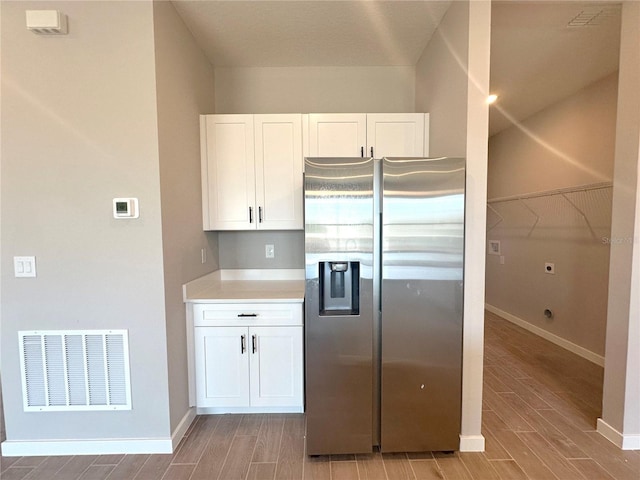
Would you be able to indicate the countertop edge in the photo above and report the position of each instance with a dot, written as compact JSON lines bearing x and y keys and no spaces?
{"x":245,"y":300}
{"x":218,"y":287}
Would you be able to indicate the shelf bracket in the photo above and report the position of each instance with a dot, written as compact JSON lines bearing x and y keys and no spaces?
{"x":584,"y":217}
{"x":500,"y":217}
{"x":524,"y":204}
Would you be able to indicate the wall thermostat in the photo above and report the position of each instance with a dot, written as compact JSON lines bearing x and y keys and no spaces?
{"x":125,"y":208}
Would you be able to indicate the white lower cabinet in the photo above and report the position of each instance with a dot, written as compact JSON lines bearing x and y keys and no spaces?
{"x":222,"y":372}
{"x":275,"y":366}
{"x":252,"y":367}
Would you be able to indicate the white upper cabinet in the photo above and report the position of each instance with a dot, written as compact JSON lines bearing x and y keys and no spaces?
{"x":252,"y":164}
{"x":367,"y":135}
{"x":228,"y":171}
{"x":337,"y":134}
{"x":396,"y":135}
{"x":251,"y":172}
{"x":278,"y":148}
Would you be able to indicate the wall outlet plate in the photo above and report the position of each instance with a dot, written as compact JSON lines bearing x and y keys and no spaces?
{"x":269,"y":251}
{"x":494,"y":247}
{"x":550,"y":268}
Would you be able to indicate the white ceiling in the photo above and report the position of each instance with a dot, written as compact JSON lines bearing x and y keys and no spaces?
{"x":237,"y":33}
{"x":536,"y":58}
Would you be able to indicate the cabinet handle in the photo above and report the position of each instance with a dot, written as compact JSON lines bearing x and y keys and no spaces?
{"x":250,"y":214}
{"x":371,"y":152}
{"x":254,"y":347}
{"x":260,"y":214}
{"x":247,"y":315}
{"x":362,"y":152}
{"x":243,"y":345}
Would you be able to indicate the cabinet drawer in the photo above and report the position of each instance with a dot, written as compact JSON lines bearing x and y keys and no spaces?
{"x":249,"y":314}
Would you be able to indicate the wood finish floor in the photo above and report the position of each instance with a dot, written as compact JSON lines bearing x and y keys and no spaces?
{"x":540,"y":409}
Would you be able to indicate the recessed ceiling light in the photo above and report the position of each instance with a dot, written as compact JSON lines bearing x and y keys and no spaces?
{"x":492,"y":98}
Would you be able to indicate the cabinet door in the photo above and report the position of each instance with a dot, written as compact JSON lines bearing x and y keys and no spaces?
{"x":276,"y":366}
{"x":228,"y":175}
{"x":337,"y":134}
{"x":222,"y":366}
{"x":278,"y":161}
{"x":396,"y":135}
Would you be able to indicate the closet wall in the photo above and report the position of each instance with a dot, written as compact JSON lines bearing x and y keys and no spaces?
{"x":550,"y":202}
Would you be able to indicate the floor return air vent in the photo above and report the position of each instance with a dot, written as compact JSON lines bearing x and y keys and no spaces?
{"x":67,"y":370}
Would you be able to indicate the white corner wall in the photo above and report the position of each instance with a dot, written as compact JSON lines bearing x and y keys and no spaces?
{"x":79,"y":129}
{"x":452,"y":83}
{"x":185,"y":89}
{"x":620,"y":420}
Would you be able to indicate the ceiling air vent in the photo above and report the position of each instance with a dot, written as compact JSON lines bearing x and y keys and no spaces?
{"x":47,"y":22}
{"x":594,"y":16}
{"x":65,"y":370}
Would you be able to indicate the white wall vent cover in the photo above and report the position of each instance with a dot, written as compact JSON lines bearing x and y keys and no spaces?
{"x":65,"y":370}
{"x":47,"y":22}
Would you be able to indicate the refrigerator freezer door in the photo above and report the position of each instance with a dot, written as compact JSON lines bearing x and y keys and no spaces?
{"x":422,"y":275}
{"x":338,"y":237}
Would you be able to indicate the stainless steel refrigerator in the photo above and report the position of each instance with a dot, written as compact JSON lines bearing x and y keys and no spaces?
{"x":384,"y":249}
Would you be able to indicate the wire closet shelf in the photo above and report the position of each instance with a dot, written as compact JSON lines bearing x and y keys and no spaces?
{"x":591,"y":203}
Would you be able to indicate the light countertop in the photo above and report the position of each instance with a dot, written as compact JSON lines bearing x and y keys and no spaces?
{"x":247,"y":286}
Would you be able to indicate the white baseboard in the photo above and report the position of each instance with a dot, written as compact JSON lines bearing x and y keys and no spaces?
{"x":224,"y":410}
{"x":624,"y":442}
{"x":561,"y":342}
{"x":182,"y":427}
{"x":30,"y":448}
{"x":471,"y":443}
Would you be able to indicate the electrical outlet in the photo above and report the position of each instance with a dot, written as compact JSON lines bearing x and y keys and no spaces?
{"x":269,"y":251}
{"x":203,"y":255}
{"x":550,"y":268}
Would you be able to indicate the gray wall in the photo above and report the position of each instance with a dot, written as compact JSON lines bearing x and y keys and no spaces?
{"x":441,"y":83}
{"x":246,"y":249}
{"x":184,"y":83}
{"x":568,"y":144}
{"x":78,"y":129}
{"x":315,"y":89}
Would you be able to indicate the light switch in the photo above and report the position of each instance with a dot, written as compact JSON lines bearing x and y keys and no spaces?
{"x":24,"y":266}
